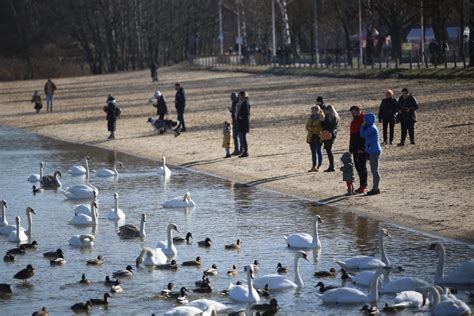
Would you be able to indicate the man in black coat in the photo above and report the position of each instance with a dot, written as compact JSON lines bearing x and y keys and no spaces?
{"x":113,"y":112}
{"x":180,"y":104}
{"x":243,"y":122}
{"x":235,"y":132}
{"x":407,"y":106}
{"x":387,"y":112}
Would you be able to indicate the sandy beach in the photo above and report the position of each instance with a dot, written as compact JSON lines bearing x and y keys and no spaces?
{"x":427,"y":186}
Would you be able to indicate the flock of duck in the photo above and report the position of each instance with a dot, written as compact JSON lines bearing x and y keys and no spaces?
{"x":361,"y":270}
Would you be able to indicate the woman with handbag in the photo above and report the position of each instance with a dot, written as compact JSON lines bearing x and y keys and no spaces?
{"x":329,"y":132}
{"x":314,"y":128}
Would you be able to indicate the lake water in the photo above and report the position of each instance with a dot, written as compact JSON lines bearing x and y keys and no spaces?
{"x":225,"y":211}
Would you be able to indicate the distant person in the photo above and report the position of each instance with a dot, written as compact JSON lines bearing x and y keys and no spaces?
{"x":154,"y":71}
{"x":36,"y":99}
{"x":387,"y":112}
{"x":357,"y":148}
{"x":227,"y":132}
{"x":235,"y":134}
{"x":407,"y":106}
{"x":161,"y":107}
{"x":348,"y":172}
{"x":370,"y":133}
{"x":242,"y":113}
{"x":314,"y":128}
{"x":113,"y":113}
{"x":49,"y":89}
{"x":329,"y":125}
{"x":433,"y":47}
{"x":180,"y":104}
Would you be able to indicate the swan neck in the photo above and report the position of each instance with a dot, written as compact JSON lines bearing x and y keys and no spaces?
{"x":439,"y":275}
{"x":386,"y":277}
{"x":4,"y":222}
{"x":30,"y":223}
{"x":170,"y":238}
{"x":142,"y":228}
{"x":383,"y":255}
{"x":115,"y":168}
{"x":116,"y":204}
{"x":374,"y":287}
{"x":41,"y":170}
{"x":315,"y":232}
{"x":94,"y":214}
{"x":434,"y":296}
{"x":250,"y":285}
{"x":87,"y":169}
{"x":298,"y":279}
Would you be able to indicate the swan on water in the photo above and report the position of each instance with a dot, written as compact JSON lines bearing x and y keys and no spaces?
{"x":463,"y":274}
{"x":168,"y":246}
{"x":408,"y":299}
{"x":151,"y":257}
{"x":80,"y":191}
{"x":104,"y":172}
{"x":51,"y":182}
{"x":402,"y":284}
{"x":349,"y":295}
{"x":115,"y":213}
{"x":131,"y":231}
{"x":5,"y":229}
{"x":178,"y":202}
{"x":368,"y":262}
{"x":86,"y":208}
{"x":363,"y":278}
{"x":82,"y":241}
{"x":304,"y":240}
{"x":79,"y":170}
{"x":37,"y":177}
{"x":278,"y":282}
{"x":450,"y":306}
{"x":205,"y":304}
{"x":23,"y":234}
{"x":82,"y":219}
{"x":164,"y":170}
{"x":245,"y":293}
{"x":189,"y":310}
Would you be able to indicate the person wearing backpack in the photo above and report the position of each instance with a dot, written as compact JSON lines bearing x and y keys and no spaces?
{"x":113,"y":113}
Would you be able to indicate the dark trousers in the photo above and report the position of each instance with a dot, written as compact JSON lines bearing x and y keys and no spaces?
{"x":235,"y":135}
{"x":161,"y":116}
{"x":408,"y":126}
{"x":328,"y":148}
{"x":181,"y":120}
{"x":360,"y":161}
{"x":316,"y":154}
{"x":243,"y":142}
{"x":388,"y":124}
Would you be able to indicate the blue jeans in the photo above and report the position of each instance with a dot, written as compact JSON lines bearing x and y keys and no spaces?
{"x":243,"y":142}
{"x":49,"y":102}
{"x":316,"y":153}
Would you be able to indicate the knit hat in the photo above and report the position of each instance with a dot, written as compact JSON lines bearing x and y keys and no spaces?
{"x":157,"y":94}
{"x":319,"y":99}
{"x":110,"y":98}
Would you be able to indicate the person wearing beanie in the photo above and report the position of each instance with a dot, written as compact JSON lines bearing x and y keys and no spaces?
{"x":407,"y":106}
{"x":113,"y":112}
{"x":387,"y":111}
{"x":161,"y":107}
{"x":370,"y":133}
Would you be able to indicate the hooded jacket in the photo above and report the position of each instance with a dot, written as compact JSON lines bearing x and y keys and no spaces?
{"x":370,"y":134}
{"x":347,"y":167}
{"x":356,"y":142}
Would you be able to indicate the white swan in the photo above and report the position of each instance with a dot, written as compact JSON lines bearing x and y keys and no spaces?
{"x":3,"y":206}
{"x":349,"y":295}
{"x":164,"y":170}
{"x":451,"y":306}
{"x":151,"y":257}
{"x":80,"y":191}
{"x":82,"y":219}
{"x":463,"y":274}
{"x":363,"y":278}
{"x":115,"y":213}
{"x":131,"y":231}
{"x":37,"y":177}
{"x":6,"y":229}
{"x":183,"y":202}
{"x":303,"y":240}
{"x":190,"y":311}
{"x":24,"y":234}
{"x":402,"y":284}
{"x":368,"y":262}
{"x":86,"y":208}
{"x":204,"y":304}
{"x":242,"y":293}
{"x":278,"y":282}
{"x":104,"y":172}
{"x":79,"y":170}
{"x":408,"y":299}
{"x":51,"y":182}
{"x":82,"y":241}
{"x":168,"y":246}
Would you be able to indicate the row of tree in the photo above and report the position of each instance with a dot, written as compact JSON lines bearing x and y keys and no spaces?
{"x":118,"y":35}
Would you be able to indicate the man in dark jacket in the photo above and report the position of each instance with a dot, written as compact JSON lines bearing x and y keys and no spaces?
{"x":356,"y":147}
{"x":154,"y":71}
{"x":243,"y":122}
{"x":161,"y":108}
{"x":407,"y":106}
{"x":180,"y":104}
{"x":387,"y":111}
{"x":235,"y":132}
{"x":113,"y":111}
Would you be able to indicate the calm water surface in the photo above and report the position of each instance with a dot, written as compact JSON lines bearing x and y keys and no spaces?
{"x":225,"y":211}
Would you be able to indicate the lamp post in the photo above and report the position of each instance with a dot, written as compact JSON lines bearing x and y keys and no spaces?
{"x":360,"y":33}
{"x":221,"y":33}
{"x":273,"y":29}
{"x":422,"y":36}
{"x":316,"y":35}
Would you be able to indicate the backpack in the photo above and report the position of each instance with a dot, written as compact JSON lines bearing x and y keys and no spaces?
{"x":118,"y":112}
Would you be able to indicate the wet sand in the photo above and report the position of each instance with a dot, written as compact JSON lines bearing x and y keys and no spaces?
{"x":428,"y":186}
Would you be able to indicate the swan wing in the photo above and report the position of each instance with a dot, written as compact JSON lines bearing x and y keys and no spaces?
{"x":81,"y":219}
{"x":34,"y":178}
{"x":275,"y":282}
{"x":361,"y":263}
{"x":204,"y":304}
{"x":6,"y":230}
{"x":409,"y":299}
{"x":77,"y":170}
{"x":14,"y":236}
{"x":363,"y":278}
{"x":451,"y":307}
{"x":184,"y":311}
{"x":300,"y":240}
{"x":128,"y":230}
{"x":404,"y":284}
{"x":344,"y":295}
{"x":115,"y":214}
{"x":464,"y":274}
{"x":240,"y":293}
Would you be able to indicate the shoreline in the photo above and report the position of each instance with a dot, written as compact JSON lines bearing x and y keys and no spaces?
{"x":432,"y":206}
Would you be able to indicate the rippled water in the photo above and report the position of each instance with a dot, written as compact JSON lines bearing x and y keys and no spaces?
{"x":225,"y":211}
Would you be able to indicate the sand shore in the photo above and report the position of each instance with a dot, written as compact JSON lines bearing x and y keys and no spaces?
{"x":428,"y":186}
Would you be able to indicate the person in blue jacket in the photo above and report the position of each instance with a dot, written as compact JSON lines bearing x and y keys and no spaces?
{"x":370,"y":134}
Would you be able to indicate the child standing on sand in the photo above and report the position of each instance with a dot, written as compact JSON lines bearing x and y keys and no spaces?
{"x":227,"y":137}
{"x":348,"y":172}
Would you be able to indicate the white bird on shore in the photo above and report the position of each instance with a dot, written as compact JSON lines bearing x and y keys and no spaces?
{"x":245,"y":293}
{"x":303,"y":240}
{"x":115,"y":213}
{"x":168,"y":247}
{"x":104,"y":172}
{"x":463,"y":274}
{"x":82,"y":241}
{"x":37,"y":177}
{"x":164,"y":170}
{"x":184,"y":202}
{"x":79,"y":170}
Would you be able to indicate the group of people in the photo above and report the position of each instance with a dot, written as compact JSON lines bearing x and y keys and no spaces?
{"x":364,"y":143}
{"x":239,"y":126}
{"x":49,"y":89}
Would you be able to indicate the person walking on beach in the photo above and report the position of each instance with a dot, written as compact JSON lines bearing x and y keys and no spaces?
{"x":387,"y":111}
{"x":49,"y":89}
{"x":235,"y":134}
{"x":154,"y":71}
{"x":348,"y":172}
{"x":161,"y":107}
{"x":407,"y":106}
{"x":314,"y":128}
{"x":357,"y":148}
{"x":113,"y":112}
{"x":370,"y":133}
{"x":36,"y":99}
{"x":227,"y":137}
{"x":180,"y":104}
{"x":329,"y":133}
{"x":242,"y":113}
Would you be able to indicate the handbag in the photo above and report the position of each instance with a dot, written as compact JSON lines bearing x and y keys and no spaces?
{"x":325,"y":135}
